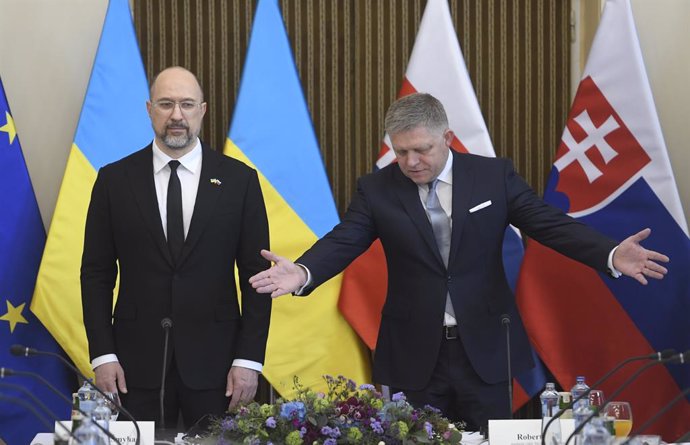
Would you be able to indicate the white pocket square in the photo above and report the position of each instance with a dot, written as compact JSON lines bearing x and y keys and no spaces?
{"x":480,"y":206}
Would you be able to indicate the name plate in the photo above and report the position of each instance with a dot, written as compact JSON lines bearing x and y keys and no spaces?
{"x":124,"y":431}
{"x":523,"y":431}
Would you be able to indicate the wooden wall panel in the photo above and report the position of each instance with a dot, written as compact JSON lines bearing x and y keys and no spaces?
{"x":351,"y":56}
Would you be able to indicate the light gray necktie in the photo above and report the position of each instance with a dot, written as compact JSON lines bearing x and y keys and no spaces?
{"x":440,"y":223}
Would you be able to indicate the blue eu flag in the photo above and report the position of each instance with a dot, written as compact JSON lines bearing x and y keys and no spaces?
{"x":22,"y":238}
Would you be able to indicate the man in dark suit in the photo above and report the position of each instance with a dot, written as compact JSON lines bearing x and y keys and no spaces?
{"x":175,"y":218}
{"x":441,"y":218}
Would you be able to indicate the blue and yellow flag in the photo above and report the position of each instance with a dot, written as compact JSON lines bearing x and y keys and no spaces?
{"x":22,"y":238}
{"x":272,"y":132}
{"x":113,"y":123}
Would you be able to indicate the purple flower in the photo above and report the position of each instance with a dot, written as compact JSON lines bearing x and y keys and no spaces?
{"x":433,"y":409}
{"x":367,"y":387}
{"x":302,"y":432}
{"x":271,"y":422}
{"x":227,"y":424}
{"x":398,"y":396}
{"x":330,"y":441}
{"x":376,"y":426}
{"x":429,"y":429}
{"x":330,"y":432}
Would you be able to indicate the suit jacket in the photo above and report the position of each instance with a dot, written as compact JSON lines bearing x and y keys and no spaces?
{"x":387,"y":206}
{"x":123,"y":228}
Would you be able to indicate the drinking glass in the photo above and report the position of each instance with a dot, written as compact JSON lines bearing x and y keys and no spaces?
{"x":110,"y":398}
{"x":622,"y":417}
{"x":596,"y":399}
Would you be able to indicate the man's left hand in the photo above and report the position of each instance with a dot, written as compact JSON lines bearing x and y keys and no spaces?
{"x":635,"y":261}
{"x":242,"y":383}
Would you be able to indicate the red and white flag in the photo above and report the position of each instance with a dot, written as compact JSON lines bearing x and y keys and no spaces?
{"x":612,"y":172}
{"x":436,"y":67}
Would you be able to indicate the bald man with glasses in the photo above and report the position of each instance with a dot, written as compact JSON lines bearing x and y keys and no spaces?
{"x":174,"y":219}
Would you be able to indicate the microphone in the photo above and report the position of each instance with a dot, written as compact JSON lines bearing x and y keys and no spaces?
{"x":36,"y":400}
{"x":26,"y":351}
{"x":505,"y":321}
{"x":658,"y":414}
{"x":678,"y":358}
{"x":8,"y":372}
{"x":28,"y":406}
{"x":659,"y":356}
{"x":166,"y":324}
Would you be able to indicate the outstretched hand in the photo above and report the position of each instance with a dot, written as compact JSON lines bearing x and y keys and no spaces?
{"x":282,"y":278}
{"x":635,"y":261}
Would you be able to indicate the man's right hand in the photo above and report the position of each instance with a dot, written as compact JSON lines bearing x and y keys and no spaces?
{"x":110,"y":377}
{"x":284,"y":277}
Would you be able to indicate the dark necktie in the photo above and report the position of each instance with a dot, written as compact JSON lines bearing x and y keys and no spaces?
{"x":440,"y":223}
{"x":175,"y":224}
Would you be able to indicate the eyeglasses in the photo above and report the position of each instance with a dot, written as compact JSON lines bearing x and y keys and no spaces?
{"x":167,"y":106}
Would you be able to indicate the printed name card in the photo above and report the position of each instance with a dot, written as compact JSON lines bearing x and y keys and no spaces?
{"x":124,"y":431}
{"x":524,"y":431}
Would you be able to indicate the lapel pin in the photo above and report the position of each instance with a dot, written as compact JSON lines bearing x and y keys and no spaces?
{"x":215,"y":181}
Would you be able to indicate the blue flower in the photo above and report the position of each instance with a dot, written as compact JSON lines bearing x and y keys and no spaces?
{"x":398,"y":397}
{"x":367,"y":387}
{"x":271,"y":422}
{"x":330,"y":442}
{"x":291,"y":410}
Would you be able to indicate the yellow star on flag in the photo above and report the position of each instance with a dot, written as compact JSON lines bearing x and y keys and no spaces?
{"x":9,"y":127}
{"x":14,"y":315}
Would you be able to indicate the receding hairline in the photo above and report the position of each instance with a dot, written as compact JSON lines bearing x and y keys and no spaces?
{"x":176,"y":68}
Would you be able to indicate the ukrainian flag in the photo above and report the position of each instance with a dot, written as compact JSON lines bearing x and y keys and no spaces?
{"x":113,"y":123}
{"x":272,"y":131}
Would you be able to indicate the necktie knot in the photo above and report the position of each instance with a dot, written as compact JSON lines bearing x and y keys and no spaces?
{"x":432,"y":185}
{"x":173,"y":165}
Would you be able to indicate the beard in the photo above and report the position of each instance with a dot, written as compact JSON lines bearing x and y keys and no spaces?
{"x":176,"y":142}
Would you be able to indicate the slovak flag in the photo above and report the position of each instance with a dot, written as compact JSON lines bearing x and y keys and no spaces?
{"x":436,"y":67}
{"x":613,"y":173}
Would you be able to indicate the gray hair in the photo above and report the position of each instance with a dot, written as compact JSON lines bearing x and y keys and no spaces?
{"x":413,"y":111}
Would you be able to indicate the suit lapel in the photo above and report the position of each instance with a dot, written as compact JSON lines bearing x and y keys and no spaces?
{"x":409,"y":196}
{"x":206,"y":198}
{"x":140,"y":173}
{"x":463,"y":181}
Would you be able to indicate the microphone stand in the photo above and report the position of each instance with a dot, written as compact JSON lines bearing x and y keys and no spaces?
{"x":678,"y":357}
{"x":505,"y":320}
{"x":26,"y":351}
{"x":166,"y":324}
{"x":7,"y":372}
{"x":659,"y":413}
{"x":28,"y":406}
{"x":659,"y":356}
{"x":38,"y":402}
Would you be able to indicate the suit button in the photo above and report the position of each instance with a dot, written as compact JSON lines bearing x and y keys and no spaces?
{"x":450,"y":278}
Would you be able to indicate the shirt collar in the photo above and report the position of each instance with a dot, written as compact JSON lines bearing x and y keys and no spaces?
{"x":190,"y":161}
{"x":446,"y":174}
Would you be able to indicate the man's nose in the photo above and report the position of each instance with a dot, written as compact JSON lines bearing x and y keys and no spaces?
{"x":177,"y":112}
{"x":411,"y":159}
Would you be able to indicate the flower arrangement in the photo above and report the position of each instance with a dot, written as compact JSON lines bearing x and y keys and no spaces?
{"x":346,"y":414}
